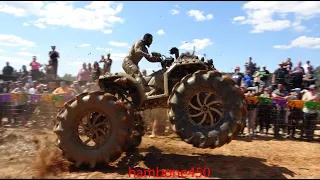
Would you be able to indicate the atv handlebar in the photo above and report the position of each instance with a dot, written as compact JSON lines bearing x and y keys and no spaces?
{"x":165,"y":61}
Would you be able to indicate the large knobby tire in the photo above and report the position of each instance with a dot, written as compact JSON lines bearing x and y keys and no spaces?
{"x":217,"y":91}
{"x":106,"y":110}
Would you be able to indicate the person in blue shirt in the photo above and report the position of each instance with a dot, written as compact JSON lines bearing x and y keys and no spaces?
{"x":247,"y":79}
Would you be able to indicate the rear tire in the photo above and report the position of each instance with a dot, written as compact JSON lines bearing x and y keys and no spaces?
{"x":212,"y":86}
{"x":102,"y":109}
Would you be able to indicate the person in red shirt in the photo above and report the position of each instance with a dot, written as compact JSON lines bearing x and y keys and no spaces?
{"x":35,"y":66}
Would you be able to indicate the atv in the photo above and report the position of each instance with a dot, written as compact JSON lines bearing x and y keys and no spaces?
{"x":205,"y":109}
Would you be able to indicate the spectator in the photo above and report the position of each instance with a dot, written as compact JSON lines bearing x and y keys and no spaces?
{"x":77,"y":87}
{"x":84,"y":74}
{"x":264,"y":76}
{"x":243,"y":88}
{"x":256,"y":77}
{"x":90,"y":68}
{"x":294,"y":114}
{"x":50,"y":70}
{"x":7,"y":70}
{"x":237,"y":76}
{"x":2,"y":87}
{"x":267,"y":93}
{"x":40,"y":89}
{"x":250,"y":66}
{"x":280,"y":75}
{"x":90,"y":87}
{"x":144,"y":73}
{"x":15,"y":73}
{"x":282,"y":94}
{"x":24,"y":74}
{"x":307,"y":68}
{"x":30,"y":89}
{"x":64,"y":90}
{"x":309,"y":78}
{"x":19,"y":88}
{"x":210,"y":64}
{"x":12,"y":86}
{"x":19,"y":106}
{"x":247,"y":79}
{"x":252,"y":116}
{"x":260,"y":90}
{"x":264,"y":112}
{"x":52,"y":86}
{"x":291,"y":120}
{"x":54,"y":55}
{"x":310,"y":116}
{"x":288,"y":64}
{"x":107,"y":63}
{"x":35,"y":73}
{"x":297,"y":76}
{"x":102,"y":61}
{"x":158,"y":125}
{"x":96,"y":71}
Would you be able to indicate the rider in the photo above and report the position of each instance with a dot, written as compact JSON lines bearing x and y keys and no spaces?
{"x":137,"y":52}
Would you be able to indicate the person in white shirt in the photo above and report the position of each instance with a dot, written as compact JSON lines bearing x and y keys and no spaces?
{"x":307,"y":68}
{"x":310,"y":115}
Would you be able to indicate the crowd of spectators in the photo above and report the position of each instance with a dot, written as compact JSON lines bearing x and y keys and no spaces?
{"x":49,"y":72}
{"x":300,"y":76}
{"x":45,"y":81}
{"x":286,"y":83}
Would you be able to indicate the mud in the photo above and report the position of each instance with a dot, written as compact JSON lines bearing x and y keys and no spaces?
{"x":31,"y":153}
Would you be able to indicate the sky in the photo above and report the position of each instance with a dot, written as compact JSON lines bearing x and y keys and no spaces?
{"x":227,"y":32}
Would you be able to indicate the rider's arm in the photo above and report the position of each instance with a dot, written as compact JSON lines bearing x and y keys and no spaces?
{"x":138,"y":47}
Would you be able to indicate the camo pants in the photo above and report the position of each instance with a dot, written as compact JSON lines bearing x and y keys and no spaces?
{"x":130,"y":68}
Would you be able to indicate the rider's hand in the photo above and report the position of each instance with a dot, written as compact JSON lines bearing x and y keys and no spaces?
{"x":154,"y":59}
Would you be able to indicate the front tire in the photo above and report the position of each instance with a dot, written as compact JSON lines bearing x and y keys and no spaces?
{"x":207,"y":110}
{"x":107,"y":124}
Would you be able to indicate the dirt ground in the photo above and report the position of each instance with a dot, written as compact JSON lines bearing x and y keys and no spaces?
{"x":31,"y":153}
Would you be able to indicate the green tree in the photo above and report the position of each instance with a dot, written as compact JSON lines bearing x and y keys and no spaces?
{"x":69,"y":77}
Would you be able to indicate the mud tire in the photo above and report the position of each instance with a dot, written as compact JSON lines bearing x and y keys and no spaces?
{"x":233,"y":118}
{"x":66,"y":127}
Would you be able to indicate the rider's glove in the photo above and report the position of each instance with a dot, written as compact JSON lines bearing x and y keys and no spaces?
{"x":154,"y":59}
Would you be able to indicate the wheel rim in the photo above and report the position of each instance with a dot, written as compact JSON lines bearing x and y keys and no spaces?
{"x":94,"y":129}
{"x":123,"y":95}
{"x":205,"y":108}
